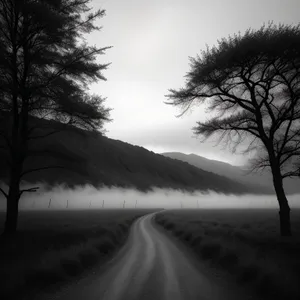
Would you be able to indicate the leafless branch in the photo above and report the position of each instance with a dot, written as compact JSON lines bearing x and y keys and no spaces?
{"x":41,"y":168}
{"x":30,"y":190}
{"x":44,"y":135}
{"x":2,"y":191}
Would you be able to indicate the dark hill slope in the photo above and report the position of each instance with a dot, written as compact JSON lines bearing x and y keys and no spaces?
{"x":239,"y":174}
{"x":98,"y":160}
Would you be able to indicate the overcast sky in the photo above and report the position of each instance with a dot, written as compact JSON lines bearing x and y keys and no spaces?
{"x":152,"y":41}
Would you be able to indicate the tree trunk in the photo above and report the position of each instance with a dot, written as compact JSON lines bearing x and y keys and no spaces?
{"x":284,"y":212}
{"x":12,"y":206}
{"x":285,"y":223}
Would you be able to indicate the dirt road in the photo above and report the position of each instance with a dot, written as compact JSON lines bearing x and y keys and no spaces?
{"x":152,"y":266}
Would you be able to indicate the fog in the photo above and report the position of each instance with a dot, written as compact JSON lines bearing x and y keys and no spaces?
{"x":88,"y":197}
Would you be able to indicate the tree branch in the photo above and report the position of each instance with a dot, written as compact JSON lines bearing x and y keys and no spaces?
{"x":44,"y":135}
{"x":39,"y":169}
{"x":290,"y":174}
{"x":2,"y":191}
{"x":288,"y":154}
{"x":30,"y":190}
{"x":240,"y":101}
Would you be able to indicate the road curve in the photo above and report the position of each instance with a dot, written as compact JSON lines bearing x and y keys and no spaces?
{"x":150,"y":266}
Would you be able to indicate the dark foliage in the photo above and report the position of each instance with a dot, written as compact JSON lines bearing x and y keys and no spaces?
{"x":45,"y":69}
{"x":251,"y":83}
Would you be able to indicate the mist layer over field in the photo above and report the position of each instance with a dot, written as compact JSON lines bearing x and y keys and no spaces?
{"x":89,"y":197}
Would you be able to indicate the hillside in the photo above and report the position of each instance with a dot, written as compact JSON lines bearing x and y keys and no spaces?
{"x":98,"y":160}
{"x":239,"y":174}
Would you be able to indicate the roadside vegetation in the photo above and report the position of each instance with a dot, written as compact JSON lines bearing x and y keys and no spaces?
{"x":56,"y":247}
{"x":243,"y":243}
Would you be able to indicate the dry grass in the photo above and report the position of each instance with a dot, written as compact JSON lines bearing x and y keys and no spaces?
{"x":246,"y":243}
{"x":53,"y":247}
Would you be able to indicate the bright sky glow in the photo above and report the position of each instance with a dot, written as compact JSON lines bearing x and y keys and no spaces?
{"x":152,"y":41}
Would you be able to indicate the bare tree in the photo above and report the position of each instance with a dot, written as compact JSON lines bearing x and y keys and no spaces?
{"x":251,"y":83}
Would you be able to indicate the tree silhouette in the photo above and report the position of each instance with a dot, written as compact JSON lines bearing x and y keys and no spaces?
{"x":45,"y":69}
{"x":251,"y":84}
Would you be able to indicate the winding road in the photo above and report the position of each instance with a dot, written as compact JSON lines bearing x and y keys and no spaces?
{"x":151,"y":265}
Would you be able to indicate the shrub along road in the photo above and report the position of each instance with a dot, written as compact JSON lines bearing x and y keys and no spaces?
{"x":151,"y":265}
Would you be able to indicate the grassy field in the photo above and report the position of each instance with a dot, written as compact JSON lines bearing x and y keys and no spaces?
{"x":54,"y":247}
{"x":244,"y":243}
